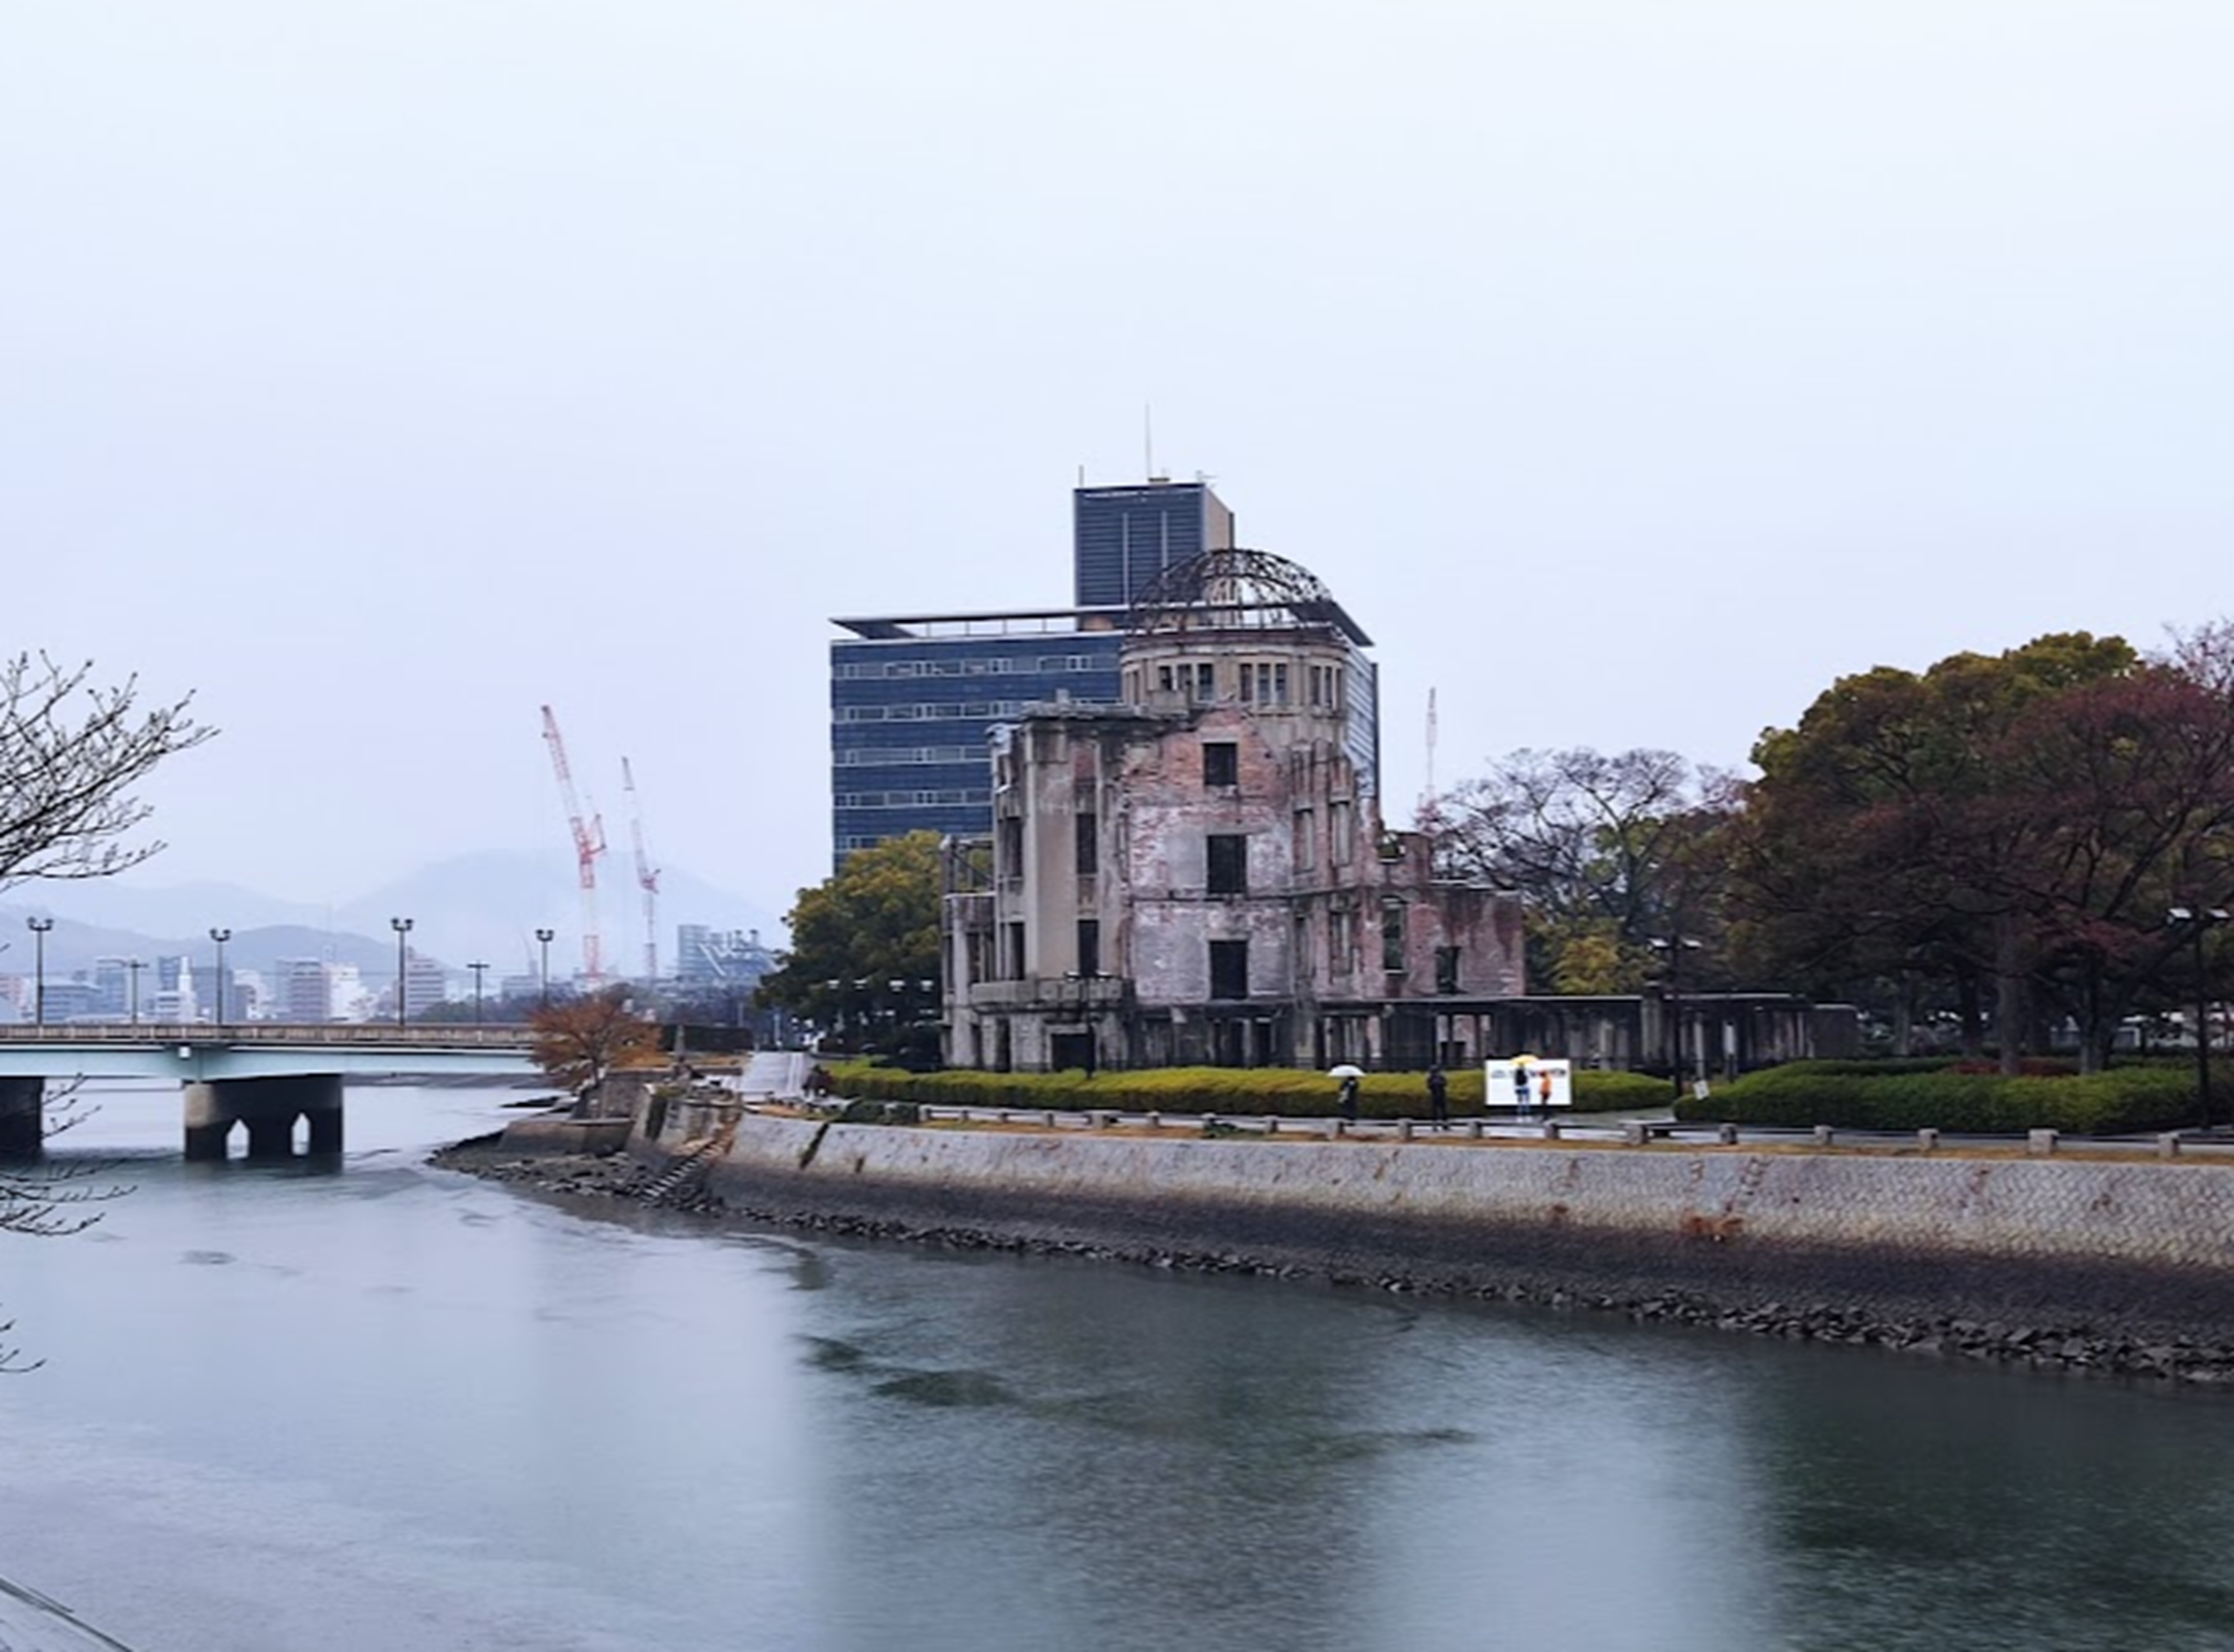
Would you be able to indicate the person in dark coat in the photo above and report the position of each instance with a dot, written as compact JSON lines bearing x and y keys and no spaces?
{"x":1345,"y":1099}
{"x":1439,"y":1096}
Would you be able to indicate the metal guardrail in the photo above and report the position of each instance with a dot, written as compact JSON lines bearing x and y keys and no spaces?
{"x":358,"y":1035}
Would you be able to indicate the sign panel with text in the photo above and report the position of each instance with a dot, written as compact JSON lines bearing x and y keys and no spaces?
{"x":1527,"y":1083}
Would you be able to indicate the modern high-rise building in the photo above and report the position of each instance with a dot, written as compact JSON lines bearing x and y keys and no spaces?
{"x":1123,"y":537}
{"x":914,"y":699}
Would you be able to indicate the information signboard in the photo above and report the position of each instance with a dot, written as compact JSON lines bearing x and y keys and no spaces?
{"x":1527,"y":1083}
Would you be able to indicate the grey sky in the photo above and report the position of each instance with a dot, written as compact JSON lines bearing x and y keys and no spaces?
{"x":383,"y":370}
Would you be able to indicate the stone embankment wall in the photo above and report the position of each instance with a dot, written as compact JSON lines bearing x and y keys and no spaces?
{"x":2135,"y":1249}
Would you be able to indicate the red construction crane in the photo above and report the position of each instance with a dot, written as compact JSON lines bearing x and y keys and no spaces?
{"x":589,"y":843}
{"x":647,"y":877}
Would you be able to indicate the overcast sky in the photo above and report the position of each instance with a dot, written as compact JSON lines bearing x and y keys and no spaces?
{"x":381,"y":370}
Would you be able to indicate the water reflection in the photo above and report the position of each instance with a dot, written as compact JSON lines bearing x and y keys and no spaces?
{"x":396,"y":1410}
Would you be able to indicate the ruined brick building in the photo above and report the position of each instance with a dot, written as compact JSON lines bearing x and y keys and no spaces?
{"x":1200,"y":873}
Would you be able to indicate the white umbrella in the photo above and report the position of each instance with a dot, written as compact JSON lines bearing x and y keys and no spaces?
{"x":1345,"y":1071}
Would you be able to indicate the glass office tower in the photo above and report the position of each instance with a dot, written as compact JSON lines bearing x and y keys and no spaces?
{"x":1122,"y":538}
{"x":913,"y":698}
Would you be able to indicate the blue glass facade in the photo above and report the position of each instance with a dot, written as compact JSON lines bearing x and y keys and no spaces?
{"x":913,"y":701}
{"x":1122,"y":538}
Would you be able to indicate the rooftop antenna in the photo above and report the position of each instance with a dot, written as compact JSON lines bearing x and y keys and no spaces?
{"x":1427,"y":810}
{"x":1148,"y":440}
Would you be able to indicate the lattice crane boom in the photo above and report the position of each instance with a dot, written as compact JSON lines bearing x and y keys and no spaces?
{"x":589,"y":843}
{"x":647,"y":876}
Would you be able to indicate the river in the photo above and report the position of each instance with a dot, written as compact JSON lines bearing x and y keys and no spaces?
{"x":388,"y":1408}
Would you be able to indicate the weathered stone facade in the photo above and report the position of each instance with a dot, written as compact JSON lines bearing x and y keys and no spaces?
{"x":1201,"y":874}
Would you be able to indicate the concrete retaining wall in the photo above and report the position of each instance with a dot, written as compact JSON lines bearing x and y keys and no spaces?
{"x":2144,"y":1248}
{"x":565,"y":1135}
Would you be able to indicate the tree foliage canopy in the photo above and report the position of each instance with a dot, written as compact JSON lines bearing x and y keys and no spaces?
{"x":2018,"y":824}
{"x":71,"y":751}
{"x":873,"y":923}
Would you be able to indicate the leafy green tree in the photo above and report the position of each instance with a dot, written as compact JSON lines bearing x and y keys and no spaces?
{"x":2015,"y":824}
{"x":864,"y":957}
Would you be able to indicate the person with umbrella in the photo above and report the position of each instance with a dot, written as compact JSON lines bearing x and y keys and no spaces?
{"x":1345,"y":1097}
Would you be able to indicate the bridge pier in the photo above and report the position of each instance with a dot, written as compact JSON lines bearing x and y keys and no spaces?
{"x":23,"y":1118}
{"x":269,"y":1107}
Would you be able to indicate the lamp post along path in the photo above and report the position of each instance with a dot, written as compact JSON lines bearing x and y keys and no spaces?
{"x":402,"y":928}
{"x":2197,"y":920}
{"x":39,"y":926}
{"x":220,"y":936}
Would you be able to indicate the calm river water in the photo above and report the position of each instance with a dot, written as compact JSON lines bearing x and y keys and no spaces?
{"x":392,"y":1409}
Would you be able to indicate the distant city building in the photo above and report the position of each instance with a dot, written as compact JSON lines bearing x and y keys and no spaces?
{"x":1124,"y":539}
{"x":426,"y":983}
{"x":111,"y":986}
{"x":301,"y":990}
{"x":351,"y":1000}
{"x":175,"y":999}
{"x":73,"y":1000}
{"x":706,"y":956}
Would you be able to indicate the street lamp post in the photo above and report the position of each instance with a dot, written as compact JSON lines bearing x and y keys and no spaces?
{"x":133,"y":966}
{"x":220,"y":936}
{"x":544,"y":937}
{"x":478,"y":969}
{"x":39,"y":926}
{"x":402,"y":928}
{"x":2197,"y":920}
{"x":1674,"y":946}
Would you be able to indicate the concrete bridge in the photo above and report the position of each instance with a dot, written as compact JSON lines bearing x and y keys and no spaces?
{"x":262,"y":1075}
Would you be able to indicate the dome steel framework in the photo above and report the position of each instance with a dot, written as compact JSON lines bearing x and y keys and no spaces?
{"x":1236,"y":589}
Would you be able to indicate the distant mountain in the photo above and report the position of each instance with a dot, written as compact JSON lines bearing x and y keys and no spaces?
{"x":483,"y":906}
{"x":72,"y":946}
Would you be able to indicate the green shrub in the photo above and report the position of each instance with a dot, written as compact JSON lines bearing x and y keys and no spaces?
{"x":1240,"y":1091}
{"x":1903,"y":1095}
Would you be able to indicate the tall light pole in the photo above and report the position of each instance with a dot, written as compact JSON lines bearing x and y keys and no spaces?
{"x":1674,"y":946}
{"x":2197,"y":920}
{"x":545,"y":937}
{"x":402,"y":928}
{"x":134,"y":966}
{"x":477,"y":968}
{"x":220,"y":936}
{"x":39,"y":926}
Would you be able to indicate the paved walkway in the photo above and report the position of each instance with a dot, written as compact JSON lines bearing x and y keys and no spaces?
{"x":1631,"y":1127}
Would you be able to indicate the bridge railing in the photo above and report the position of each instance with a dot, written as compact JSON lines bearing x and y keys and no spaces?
{"x":438,"y":1036}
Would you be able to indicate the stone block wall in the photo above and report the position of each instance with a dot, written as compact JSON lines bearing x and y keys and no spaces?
{"x":2145,"y":1247}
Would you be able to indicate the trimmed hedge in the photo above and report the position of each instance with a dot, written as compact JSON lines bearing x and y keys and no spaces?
{"x":1905,"y":1096}
{"x":1241,"y":1091}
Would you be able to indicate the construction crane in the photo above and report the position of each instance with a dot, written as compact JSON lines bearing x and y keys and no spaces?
{"x":589,"y":843}
{"x":647,"y":876}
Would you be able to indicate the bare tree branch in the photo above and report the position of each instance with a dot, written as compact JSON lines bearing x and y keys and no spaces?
{"x":71,"y":753}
